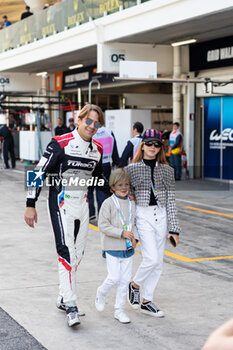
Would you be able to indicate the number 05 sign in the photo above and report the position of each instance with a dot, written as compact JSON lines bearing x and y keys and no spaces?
{"x":108,"y":59}
{"x":116,"y":57}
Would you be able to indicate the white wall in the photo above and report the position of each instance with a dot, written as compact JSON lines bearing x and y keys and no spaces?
{"x":149,"y":100}
{"x":185,"y":59}
{"x":120,"y":121}
{"x":22,"y":82}
{"x":162,"y":54}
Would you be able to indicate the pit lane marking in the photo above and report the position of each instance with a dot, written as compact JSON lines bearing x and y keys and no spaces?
{"x":209,"y":211}
{"x":177,"y":256}
{"x":203,"y":204}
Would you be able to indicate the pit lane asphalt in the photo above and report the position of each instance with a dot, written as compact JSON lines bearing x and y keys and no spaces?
{"x":195,"y":295}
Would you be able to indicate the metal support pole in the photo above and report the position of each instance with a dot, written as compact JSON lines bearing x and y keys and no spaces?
{"x":176,"y":93}
{"x":79,"y":93}
{"x":96,"y":81}
{"x":7,"y":113}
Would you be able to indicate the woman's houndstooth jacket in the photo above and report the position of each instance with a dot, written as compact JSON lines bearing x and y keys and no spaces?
{"x":140,"y":176}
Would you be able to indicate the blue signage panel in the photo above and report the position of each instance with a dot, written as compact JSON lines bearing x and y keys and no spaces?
{"x":212,"y":128}
{"x":227,"y":137}
{"x":218,"y":137}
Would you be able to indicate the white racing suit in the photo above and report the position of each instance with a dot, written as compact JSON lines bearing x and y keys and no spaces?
{"x":69,"y":157}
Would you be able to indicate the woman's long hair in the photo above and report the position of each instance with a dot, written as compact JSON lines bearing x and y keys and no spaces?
{"x":161,"y":157}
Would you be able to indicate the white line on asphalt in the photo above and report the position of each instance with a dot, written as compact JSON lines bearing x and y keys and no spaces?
{"x":18,"y":171}
{"x":204,"y":205}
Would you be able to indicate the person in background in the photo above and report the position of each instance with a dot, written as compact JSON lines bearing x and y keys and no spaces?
{"x":132,"y":145}
{"x":165,"y":136}
{"x":60,"y":128}
{"x":118,"y":237}
{"x":110,"y":154}
{"x":71,"y":126}
{"x":153,"y":187}
{"x":6,"y":23}
{"x":26,"y":13}
{"x":175,"y":149}
{"x":8,"y":146}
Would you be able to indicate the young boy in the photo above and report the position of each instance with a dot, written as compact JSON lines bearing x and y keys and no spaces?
{"x":118,"y":238}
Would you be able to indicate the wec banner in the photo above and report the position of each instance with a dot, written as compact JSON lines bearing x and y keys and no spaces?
{"x":218,"y":137}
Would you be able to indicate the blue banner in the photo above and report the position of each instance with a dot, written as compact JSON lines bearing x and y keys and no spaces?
{"x":212,"y":125}
{"x":227,"y":137}
{"x":218,"y":137}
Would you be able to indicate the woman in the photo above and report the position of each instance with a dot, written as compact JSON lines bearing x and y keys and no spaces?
{"x":153,"y":186}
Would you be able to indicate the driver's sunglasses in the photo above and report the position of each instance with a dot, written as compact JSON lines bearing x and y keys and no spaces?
{"x":89,"y":121}
{"x":155,"y":144}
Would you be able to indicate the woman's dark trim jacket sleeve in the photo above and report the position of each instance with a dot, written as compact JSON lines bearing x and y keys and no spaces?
{"x":169,"y":179}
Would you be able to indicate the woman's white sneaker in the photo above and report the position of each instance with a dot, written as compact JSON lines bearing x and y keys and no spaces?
{"x":99,"y":302}
{"x":133,"y":297}
{"x":121,"y":316}
{"x":150,"y":309}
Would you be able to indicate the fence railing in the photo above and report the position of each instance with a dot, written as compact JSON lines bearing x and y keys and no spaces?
{"x":57,"y":18}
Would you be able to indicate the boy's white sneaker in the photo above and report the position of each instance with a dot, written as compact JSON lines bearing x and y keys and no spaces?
{"x":99,"y":302}
{"x":121,"y":316}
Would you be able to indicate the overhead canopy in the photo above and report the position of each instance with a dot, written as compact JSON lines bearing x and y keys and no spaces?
{"x":70,"y":50}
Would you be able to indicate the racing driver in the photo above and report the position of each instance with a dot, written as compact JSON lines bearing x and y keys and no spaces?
{"x":75,"y":155}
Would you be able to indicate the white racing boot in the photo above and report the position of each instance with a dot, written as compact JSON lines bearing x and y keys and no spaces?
{"x":62,"y":306}
{"x":72,"y":316}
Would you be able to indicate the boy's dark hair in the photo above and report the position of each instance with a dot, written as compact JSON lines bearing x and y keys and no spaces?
{"x":177,"y":124}
{"x":139,"y":127}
